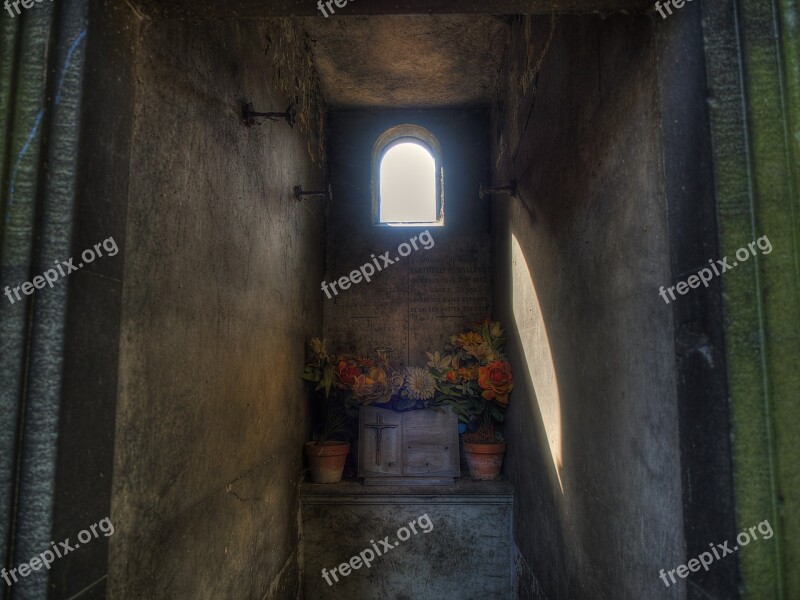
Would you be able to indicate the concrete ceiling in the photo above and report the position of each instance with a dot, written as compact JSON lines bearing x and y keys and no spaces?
{"x":409,"y":61}
{"x":294,"y":8}
{"x":398,"y":53}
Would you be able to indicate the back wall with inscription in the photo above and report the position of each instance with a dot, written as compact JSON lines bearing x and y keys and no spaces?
{"x":415,"y":304}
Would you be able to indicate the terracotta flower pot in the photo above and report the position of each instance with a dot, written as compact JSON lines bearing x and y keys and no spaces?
{"x":327,"y":460}
{"x":485,"y":460}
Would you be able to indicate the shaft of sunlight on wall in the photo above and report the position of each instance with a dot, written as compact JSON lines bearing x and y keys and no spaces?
{"x":536,"y":347}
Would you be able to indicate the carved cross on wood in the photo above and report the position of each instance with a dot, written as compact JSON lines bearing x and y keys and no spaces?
{"x":379,"y":427}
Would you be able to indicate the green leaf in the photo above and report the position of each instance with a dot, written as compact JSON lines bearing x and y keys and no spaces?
{"x":497,"y":414}
{"x":406,"y":404}
{"x":327,"y":379}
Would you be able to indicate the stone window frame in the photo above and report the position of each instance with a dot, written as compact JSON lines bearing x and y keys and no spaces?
{"x":385,"y":142}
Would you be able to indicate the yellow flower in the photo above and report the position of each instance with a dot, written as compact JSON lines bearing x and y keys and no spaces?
{"x":318,"y":347}
{"x":470,"y":338}
{"x":440,"y":363}
{"x":497,"y":330}
{"x":483,"y":352}
{"x":383,"y":356}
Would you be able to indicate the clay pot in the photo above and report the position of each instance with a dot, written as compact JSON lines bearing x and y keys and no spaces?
{"x":485,"y":460}
{"x":327,"y":460}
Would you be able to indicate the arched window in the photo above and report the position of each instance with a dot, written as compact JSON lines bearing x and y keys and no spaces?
{"x":407,"y":178}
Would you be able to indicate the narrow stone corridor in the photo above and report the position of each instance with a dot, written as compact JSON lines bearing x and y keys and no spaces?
{"x":418,"y":299}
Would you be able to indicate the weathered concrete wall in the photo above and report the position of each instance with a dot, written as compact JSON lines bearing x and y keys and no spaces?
{"x":579,"y":257}
{"x":91,"y":352}
{"x":415,"y":305}
{"x":703,"y":407}
{"x":222,"y":275}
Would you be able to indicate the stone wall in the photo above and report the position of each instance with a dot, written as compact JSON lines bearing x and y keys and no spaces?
{"x":578,"y":260}
{"x":220,"y":291}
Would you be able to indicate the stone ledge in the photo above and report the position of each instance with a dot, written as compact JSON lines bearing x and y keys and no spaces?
{"x":465,"y":491}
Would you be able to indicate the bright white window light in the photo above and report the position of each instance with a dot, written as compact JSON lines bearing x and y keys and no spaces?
{"x":408,"y":185}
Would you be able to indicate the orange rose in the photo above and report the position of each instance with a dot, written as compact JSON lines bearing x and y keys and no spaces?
{"x":346,"y":374}
{"x":452,"y":377}
{"x":372,"y":388}
{"x":496,"y":381}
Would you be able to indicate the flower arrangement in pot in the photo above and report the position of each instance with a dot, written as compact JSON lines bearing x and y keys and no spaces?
{"x":471,"y":376}
{"x":475,"y":378}
{"x":344,"y":382}
{"x":327,"y":452}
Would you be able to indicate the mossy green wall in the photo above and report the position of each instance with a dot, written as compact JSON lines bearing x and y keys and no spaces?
{"x":753,"y":59}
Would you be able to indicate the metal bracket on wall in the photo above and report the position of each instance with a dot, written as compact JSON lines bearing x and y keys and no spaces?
{"x":508,"y":190}
{"x":249,"y":115}
{"x":299,"y":194}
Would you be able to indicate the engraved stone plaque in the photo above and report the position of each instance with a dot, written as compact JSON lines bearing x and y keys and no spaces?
{"x":415,"y":305}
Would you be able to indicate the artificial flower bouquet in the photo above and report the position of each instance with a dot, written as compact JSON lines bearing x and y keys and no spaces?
{"x":474,"y":378}
{"x":471,"y":376}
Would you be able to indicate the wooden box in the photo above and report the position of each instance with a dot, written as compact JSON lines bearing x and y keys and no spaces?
{"x":418,"y":447}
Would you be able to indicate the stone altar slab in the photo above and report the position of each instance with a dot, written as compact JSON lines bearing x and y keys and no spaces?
{"x":467,"y":556}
